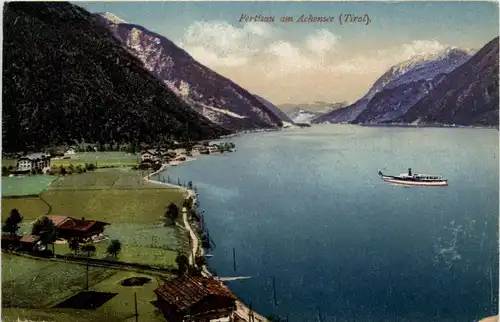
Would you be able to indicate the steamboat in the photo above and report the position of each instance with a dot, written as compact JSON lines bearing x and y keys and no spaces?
{"x":409,"y":179}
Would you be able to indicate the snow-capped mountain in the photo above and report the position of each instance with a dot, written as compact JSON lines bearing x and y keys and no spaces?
{"x":306,"y":112}
{"x":214,"y":96}
{"x":303,"y":116}
{"x":399,"y":88}
{"x":466,"y":96}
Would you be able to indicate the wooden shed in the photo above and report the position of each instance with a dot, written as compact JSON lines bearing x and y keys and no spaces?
{"x":195,"y":299}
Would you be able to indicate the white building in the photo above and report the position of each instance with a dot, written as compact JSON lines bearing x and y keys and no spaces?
{"x":151,"y":155}
{"x":33,"y":161}
{"x":70,"y":150}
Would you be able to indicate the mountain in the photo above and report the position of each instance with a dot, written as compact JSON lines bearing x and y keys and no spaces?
{"x":65,"y":78}
{"x":299,"y":115}
{"x":306,"y":112}
{"x":466,"y":96}
{"x":399,"y":88}
{"x":212,"y":95}
{"x":273,"y":108}
{"x":319,"y":107}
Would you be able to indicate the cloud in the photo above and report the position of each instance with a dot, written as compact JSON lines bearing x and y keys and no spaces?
{"x":288,"y":59}
{"x":308,"y":54}
{"x":218,"y":43}
{"x":421,"y":47}
{"x":322,"y":42}
{"x":261,"y":55}
{"x":379,"y":61}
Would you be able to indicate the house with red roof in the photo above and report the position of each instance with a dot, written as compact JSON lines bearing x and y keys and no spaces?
{"x":69,"y":227}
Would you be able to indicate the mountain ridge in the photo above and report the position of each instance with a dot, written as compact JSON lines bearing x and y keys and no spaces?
{"x":216,"y":97}
{"x":473,"y":84}
{"x":416,"y":75}
{"x":67,"y":79}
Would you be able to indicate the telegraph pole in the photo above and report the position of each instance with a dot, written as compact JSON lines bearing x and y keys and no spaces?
{"x":274,"y":292}
{"x":136,"y":312}
{"x":87,"y":274}
{"x":234,"y":259}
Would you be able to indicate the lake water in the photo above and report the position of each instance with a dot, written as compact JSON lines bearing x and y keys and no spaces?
{"x":307,"y":208}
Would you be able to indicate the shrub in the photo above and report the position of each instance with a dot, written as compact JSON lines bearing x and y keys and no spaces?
{"x":200,"y":260}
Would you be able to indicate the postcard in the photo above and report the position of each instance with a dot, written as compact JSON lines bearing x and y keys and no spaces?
{"x":250,"y":161}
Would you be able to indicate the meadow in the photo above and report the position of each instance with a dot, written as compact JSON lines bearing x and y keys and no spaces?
{"x":25,"y":185}
{"x":114,"y":178}
{"x":133,"y":207}
{"x":100,"y":159}
{"x":34,"y":283}
{"x":35,"y":286}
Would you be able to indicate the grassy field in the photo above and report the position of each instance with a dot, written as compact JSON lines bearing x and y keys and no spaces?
{"x":133,"y":207}
{"x":101,"y":159}
{"x":35,"y":286}
{"x":39,"y":284}
{"x":29,"y":207}
{"x":117,"y":178}
{"x":25,"y":185}
{"x":9,"y":162}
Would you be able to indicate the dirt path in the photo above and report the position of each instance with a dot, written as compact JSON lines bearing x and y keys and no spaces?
{"x":243,"y":313}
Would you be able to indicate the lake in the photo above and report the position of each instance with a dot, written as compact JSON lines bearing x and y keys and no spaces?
{"x":307,"y":207}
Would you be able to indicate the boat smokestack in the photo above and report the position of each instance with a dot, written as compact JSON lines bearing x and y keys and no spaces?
{"x":409,"y":171}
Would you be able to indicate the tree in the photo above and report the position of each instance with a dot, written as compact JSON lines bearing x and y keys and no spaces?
{"x":74,"y":245}
{"x":188,"y":203}
{"x":88,"y":248}
{"x":172,"y":213}
{"x":45,"y":228}
{"x":12,"y":222}
{"x":182,"y":263}
{"x":194,"y":271}
{"x":114,"y":248}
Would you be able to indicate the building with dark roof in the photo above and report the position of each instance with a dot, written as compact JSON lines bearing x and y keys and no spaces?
{"x":69,"y":227}
{"x":195,"y":299}
{"x":10,"y":241}
{"x":28,"y":242}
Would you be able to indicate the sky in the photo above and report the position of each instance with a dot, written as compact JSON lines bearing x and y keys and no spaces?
{"x":303,"y":62}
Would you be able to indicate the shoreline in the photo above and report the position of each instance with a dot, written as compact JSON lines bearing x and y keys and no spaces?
{"x":242,"y":312}
{"x":410,"y":125}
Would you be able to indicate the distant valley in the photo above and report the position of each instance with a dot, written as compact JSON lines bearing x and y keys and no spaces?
{"x":306,"y":112}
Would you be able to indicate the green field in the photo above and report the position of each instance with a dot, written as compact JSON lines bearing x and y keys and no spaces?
{"x":101,"y":159}
{"x":9,"y":162}
{"x":25,"y":185}
{"x":34,"y":286}
{"x":117,"y":178}
{"x":133,"y":207}
{"x":39,"y":284}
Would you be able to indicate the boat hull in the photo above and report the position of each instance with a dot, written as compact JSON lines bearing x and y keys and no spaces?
{"x":442,"y":183}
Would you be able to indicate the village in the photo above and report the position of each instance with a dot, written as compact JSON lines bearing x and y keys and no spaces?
{"x":67,"y":234}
